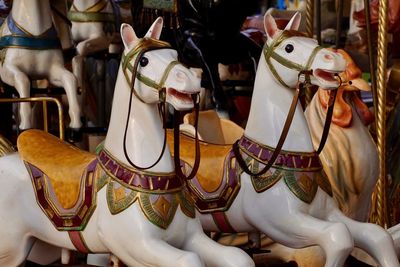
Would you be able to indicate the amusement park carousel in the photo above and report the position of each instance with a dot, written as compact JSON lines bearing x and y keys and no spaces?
{"x":194,"y":133}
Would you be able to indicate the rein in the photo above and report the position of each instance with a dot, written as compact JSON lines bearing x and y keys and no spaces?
{"x":177,"y":160}
{"x":145,"y":45}
{"x":303,"y":70}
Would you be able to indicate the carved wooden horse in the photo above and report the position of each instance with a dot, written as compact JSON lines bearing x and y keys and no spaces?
{"x":288,"y":202}
{"x":30,"y":48}
{"x":109,"y":203}
{"x":350,"y":158}
{"x":93,"y":29}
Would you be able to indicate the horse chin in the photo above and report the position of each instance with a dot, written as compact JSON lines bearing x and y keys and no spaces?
{"x":326,"y":79}
{"x":179,"y":100}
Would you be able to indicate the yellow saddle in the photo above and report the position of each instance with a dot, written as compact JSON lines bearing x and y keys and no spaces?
{"x":212,"y":158}
{"x":62,"y":163}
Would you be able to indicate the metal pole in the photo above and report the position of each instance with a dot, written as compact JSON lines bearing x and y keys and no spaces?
{"x":310,"y":33}
{"x":371,"y":57}
{"x":339,"y":16}
{"x":41,"y":99}
{"x":318,"y":24}
{"x":381,"y":205}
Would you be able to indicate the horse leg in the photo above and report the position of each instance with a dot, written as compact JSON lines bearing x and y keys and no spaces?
{"x":299,"y":230}
{"x":15,"y":77}
{"x":156,"y":252}
{"x":77,"y":68}
{"x":14,"y":248}
{"x":369,"y":237}
{"x":211,"y":252}
{"x":92,"y":45}
{"x":61,"y":77}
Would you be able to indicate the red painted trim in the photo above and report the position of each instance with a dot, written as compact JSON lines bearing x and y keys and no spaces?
{"x":78,"y":241}
{"x":222,"y":222}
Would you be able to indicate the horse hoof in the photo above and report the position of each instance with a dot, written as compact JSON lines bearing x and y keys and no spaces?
{"x":73,"y":135}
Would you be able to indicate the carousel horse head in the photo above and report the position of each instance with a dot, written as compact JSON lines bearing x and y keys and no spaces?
{"x":146,"y":59}
{"x":287,"y":52}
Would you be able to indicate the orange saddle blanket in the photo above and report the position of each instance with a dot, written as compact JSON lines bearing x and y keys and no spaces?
{"x":63,"y":178}
{"x":216,"y":183}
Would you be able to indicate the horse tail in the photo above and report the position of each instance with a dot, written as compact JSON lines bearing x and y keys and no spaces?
{"x":5,"y":146}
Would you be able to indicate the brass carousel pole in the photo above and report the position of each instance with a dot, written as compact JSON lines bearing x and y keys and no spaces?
{"x":380,"y":190}
{"x":310,"y":33}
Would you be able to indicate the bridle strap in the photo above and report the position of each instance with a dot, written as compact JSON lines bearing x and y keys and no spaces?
{"x":144,"y":46}
{"x":196,"y":165}
{"x":269,"y":53}
{"x":328,"y":119}
{"x":285,"y":130}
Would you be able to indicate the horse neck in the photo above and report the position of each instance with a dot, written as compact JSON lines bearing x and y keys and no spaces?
{"x":145,"y":134}
{"x":269,"y":109}
{"x":33,"y":15}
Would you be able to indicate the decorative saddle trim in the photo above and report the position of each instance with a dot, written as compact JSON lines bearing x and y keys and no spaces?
{"x":75,"y":218}
{"x":142,"y":181}
{"x":302,"y":172}
{"x":301,"y":161}
{"x":21,"y":38}
{"x":222,"y":198}
{"x":158,"y":194}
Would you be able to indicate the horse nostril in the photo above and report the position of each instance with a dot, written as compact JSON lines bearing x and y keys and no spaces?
{"x":180,"y":75}
{"x":329,"y":57}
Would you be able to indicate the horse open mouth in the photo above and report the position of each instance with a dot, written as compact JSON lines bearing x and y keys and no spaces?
{"x":179,"y":99}
{"x":327,"y":78}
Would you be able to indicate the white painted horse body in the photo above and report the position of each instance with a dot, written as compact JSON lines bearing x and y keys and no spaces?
{"x":129,"y":234}
{"x":277,"y":212}
{"x":349,"y":157}
{"x":19,"y":65}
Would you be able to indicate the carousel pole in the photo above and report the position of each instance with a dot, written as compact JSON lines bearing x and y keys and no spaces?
{"x":310,"y":33}
{"x":318,"y":22}
{"x":339,"y":16}
{"x":380,"y":190}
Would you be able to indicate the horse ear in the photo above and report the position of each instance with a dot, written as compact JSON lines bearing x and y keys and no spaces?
{"x":128,"y":35}
{"x":294,"y":22}
{"x":155,"y":29}
{"x":270,"y":26}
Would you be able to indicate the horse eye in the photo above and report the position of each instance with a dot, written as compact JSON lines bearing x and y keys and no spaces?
{"x":144,"y":61}
{"x":289,"y":48}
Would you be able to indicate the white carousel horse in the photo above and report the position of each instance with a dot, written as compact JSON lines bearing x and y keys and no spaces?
{"x":93,"y":25}
{"x":104,"y":204}
{"x":349,"y":157}
{"x":288,"y":203}
{"x":30,"y":48}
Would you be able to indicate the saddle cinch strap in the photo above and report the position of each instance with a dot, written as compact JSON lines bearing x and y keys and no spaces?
{"x":21,"y":38}
{"x":91,"y":14}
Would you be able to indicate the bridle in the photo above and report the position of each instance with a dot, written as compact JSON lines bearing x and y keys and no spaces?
{"x":269,"y":54}
{"x":145,"y":45}
{"x":303,"y":81}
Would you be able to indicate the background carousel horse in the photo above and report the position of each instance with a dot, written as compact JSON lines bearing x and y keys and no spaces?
{"x":349,"y":158}
{"x":30,"y":49}
{"x":288,"y":202}
{"x":104,"y":203}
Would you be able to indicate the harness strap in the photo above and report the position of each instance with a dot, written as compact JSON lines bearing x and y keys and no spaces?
{"x":91,"y":14}
{"x":269,"y":53}
{"x":21,"y":38}
{"x":78,"y":241}
{"x":285,"y":130}
{"x":222,"y":222}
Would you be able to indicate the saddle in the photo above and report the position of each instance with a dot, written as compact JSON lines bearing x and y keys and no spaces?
{"x":62,"y":163}
{"x":213,"y":188}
